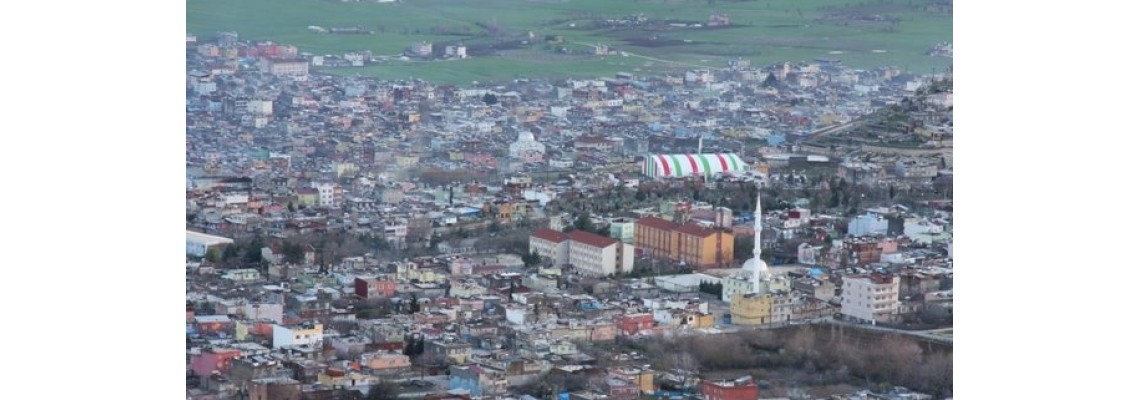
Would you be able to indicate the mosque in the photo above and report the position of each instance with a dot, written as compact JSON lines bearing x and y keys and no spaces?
{"x":526,"y":149}
{"x":754,"y":277}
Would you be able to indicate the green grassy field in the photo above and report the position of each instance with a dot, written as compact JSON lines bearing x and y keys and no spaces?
{"x":764,"y":31}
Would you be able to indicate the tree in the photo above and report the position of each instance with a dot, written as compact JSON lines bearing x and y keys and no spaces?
{"x":294,"y":253}
{"x":531,"y":259}
{"x":414,"y":304}
{"x":291,"y":207}
{"x":253,"y":251}
{"x":583,"y":223}
{"x":490,"y":99}
{"x":230,"y":253}
{"x":213,"y":255}
{"x":383,"y":390}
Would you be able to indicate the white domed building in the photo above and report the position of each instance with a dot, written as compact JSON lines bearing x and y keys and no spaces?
{"x":527,"y":149}
{"x":754,"y":277}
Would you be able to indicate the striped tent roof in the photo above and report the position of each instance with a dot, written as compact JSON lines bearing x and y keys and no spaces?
{"x":682,"y":165}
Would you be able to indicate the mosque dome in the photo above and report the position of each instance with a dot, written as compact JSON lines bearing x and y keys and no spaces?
{"x":754,"y":264}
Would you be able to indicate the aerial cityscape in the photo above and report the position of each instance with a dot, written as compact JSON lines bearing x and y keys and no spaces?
{"x":569,"y":200}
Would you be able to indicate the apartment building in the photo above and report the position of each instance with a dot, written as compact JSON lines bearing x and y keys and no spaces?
{"x":871,"y":298}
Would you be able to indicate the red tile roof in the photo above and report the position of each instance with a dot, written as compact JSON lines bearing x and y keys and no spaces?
{"x":591,"y":239}
{"x":550,"y":235}
{"x":695,"y":230}
{"x":657,"y":223}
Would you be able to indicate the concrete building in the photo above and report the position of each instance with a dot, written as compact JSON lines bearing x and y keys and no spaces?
{"x":383,"y":363}
{"x":284,"y":67}
{"x":551,"y":244}
{"x":870,"y":298}
{"x":595,"y":255}
{"x":212,"y":360}
{"x":197,"y":244}
{"x":306,"y":334}
{"x":867,"y":224}
{"x":477,"y":380}
{"x":369,"y":288}
{"x":622,"y":229}
{"x":691,"y":244}
{"x":276,"y":388}
{"x":454,"y":352}
{"x":737,"y":389}
{"x":329,"y":195}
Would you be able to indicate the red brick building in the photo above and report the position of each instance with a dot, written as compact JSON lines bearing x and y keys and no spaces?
{"x":738,"y":389}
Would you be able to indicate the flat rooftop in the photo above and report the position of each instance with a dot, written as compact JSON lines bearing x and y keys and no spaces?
{"x":206,"y":239}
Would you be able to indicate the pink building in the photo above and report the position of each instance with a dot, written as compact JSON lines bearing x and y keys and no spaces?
{"x":603,"y":333}
{"x":631,"y":324}
{"x":372,"y":288}
{"x":212,"y":360}
{"x":384,"y":362}
{"x":889,"y":245}
{"x":481,"y":159}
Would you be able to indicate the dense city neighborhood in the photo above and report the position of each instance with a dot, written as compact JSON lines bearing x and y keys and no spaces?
{"x":612,"y":238}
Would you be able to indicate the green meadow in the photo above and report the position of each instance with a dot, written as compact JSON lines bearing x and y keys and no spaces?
{"x":762,"y":31}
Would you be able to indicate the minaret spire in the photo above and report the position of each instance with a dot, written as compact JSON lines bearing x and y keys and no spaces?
{"x":758,"y":226}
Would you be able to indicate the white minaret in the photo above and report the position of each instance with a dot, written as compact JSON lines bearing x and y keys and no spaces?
{"x":758,"y":266}
{"x":758,"y":226}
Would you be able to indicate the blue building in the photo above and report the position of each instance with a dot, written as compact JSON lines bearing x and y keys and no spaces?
{"x":867,"y":224}
{"x":477,"y":380}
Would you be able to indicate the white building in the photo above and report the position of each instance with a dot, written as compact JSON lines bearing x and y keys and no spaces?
{"x":517,"y":315}
{"x":867,"y":224}
{"x":312,"y":335}
{"x":459,"y":51}
{"x":197,"y":244}
{"x":527,"y":149}
{"x":869,"y":298}
{"x":259,"y":107}
{"x":551,"y":244}
{"x":328,"y":195}
{"x":596,"y":255}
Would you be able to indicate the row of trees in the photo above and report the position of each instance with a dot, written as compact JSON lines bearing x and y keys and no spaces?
{"x":715,"y":289}
{"x":830,"y":354}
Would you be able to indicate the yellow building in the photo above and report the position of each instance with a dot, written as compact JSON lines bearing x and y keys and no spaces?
{"x":706,"y":320}
{"x":752,"y":309}
{"x":407,"y":160}
{"x":411,"y":271}
{"x":761,"y":167}
{"x":641,"y":377}
{"x":241,"y":331}
{"x":695,"y":246}
{"x":308,"y":197}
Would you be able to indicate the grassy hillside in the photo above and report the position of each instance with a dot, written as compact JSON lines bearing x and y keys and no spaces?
{"x":862,"y":34}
